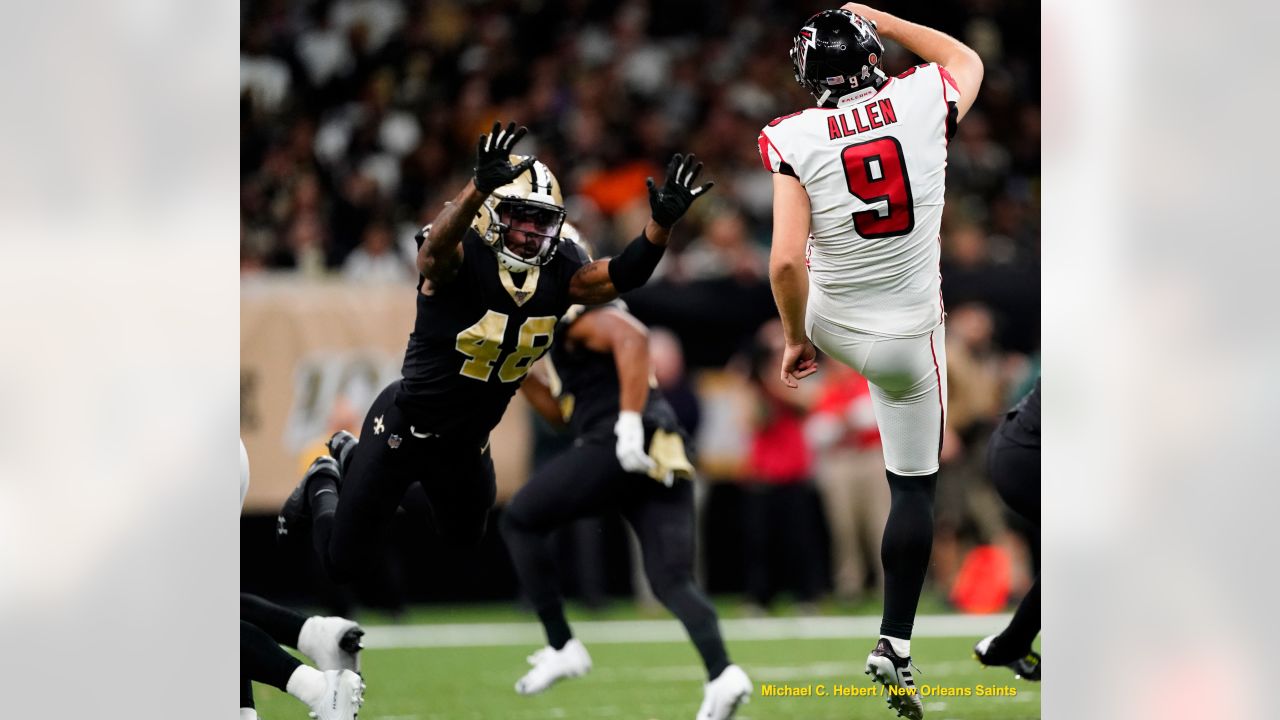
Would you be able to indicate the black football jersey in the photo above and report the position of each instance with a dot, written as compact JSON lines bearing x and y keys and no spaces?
{"x":476,"y":336}
{"x":1022,"y":422}
{"x":586,"y":385}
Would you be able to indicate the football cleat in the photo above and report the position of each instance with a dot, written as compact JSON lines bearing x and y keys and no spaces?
{"x":1025,"y":666}
{"x":723,"y":695}
{"x":894,"y":673}
{"x":334,"y":643}
{"x":551,"y":665}
{"x":294,"y":520}
{"x":340,"y":447}
{"x":343,"y":696}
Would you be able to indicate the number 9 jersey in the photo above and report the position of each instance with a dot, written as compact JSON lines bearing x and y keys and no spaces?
{"x":874,"y":167}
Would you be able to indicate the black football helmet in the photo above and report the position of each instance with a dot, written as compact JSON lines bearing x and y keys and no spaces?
{"x":836,"y":53}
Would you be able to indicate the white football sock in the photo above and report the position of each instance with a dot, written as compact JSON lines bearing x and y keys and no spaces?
{"x":307,"y":684}
{"x":901,"y":647}
{"x":248,"y":714}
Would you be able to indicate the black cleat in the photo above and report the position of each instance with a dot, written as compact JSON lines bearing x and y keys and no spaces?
{"x":894,"y":673}
{"x":340,"y":447}
{"x":294,"y":521}
{"x":1024,"y":665}
{"x":352,"y":641}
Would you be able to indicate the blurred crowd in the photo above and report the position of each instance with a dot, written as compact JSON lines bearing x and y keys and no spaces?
{"x":359,"y":119}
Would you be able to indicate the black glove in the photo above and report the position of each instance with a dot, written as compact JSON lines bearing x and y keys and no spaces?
{"x":493,"y":158}
{"x":671,"y":201}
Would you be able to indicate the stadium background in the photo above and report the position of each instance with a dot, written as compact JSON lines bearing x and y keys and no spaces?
{"x":359,"y":118}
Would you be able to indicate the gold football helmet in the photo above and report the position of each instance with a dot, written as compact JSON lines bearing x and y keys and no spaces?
{"x":522,"y":220}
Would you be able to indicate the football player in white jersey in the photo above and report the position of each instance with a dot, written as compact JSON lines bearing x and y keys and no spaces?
{"x":858,"y":190}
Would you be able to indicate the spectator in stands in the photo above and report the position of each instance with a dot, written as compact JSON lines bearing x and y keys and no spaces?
{"x":780,"y":517}
{"x":378,"y":260}
{"x":667,"y":357}
{"x":849,"y":465}
{"x":968,"y":511}
{"x":724,"y":250}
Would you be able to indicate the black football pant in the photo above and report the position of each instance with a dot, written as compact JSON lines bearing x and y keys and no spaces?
{"x":586,"y":481}
{"x":264,"y":627}
{"x":1015,"y":472}
{"x":456,"y":476}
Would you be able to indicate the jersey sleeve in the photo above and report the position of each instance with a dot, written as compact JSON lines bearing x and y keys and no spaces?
{"x":570,"y":257}
{"x":932,"y":82}
{"x":950,"y":96}
{"x":772,"y":157}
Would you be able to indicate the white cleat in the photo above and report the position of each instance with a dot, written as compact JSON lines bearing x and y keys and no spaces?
{"x":550,"y":665}
{"x":343,"y":696}
{"x":894,"y":673}
{"x":724,"y":694}
{"x":334,"y":643}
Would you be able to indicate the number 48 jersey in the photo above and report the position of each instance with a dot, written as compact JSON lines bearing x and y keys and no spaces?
{"x":874,"y":168}
{"x":476,"y":336}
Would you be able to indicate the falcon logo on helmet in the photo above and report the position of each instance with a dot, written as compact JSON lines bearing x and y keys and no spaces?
{"x":521,"y":221}
{"x":837,"y":53}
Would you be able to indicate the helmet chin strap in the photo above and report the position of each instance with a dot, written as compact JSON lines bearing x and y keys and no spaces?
{"x":826,"y":93}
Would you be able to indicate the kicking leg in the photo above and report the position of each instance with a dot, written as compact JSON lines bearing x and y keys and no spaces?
{"x":909,"y":394}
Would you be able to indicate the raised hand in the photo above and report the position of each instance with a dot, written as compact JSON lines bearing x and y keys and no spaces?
{"x":670,"y":202}
{"x":493,"y":157}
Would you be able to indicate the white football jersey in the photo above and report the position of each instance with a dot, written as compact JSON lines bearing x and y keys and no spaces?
{"x":874,"y":168}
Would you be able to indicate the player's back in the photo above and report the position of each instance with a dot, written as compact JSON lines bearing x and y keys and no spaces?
{"x":874,"y":169}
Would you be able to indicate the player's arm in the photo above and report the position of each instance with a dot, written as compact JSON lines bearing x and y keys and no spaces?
{"x":440,"y":254}
{"x":603,"y":280}
{"x":788,"y":276}
{"x":615,"y":331}
{"x":934,"y":46}
{"x":538,"y":393}
{"x":611,"y":330}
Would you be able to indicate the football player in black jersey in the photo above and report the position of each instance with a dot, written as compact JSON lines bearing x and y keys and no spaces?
{"x":495,"y":278}
{"x":629,"y":457}
{"x":1013,"y":458}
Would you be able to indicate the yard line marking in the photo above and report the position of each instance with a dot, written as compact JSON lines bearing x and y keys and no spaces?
{"x":603,"y":632}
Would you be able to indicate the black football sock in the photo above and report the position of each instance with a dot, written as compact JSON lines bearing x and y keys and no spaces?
{"x":322,"y":492}
{"x":536,"y":569}
{"x":281,"y":623}
{"x":246,"y":692}
{"x":1015,"y":641}
{"x":556,"y":625}
{"x":262,"y":659}
{"x":905,"y":549}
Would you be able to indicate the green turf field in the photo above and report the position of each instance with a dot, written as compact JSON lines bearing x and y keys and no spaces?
{"x":662,"y":681}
